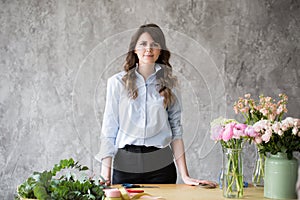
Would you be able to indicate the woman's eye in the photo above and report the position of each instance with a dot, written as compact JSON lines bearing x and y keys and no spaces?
{"x":151,"y":45}
{"x":156,"y":45}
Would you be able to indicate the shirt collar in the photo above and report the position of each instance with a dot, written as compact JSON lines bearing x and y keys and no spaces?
{"x":157,"y":67}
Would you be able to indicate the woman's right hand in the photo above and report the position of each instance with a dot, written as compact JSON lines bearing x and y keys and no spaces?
{"x":106,"y":171}
{"x":105,"y":182}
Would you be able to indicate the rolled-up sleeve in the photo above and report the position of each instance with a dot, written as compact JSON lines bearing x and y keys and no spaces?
{"x":110,"y":125}
{"x":174,"y":115}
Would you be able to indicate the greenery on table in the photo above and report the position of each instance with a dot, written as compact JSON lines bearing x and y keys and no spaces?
{"x":47,"y":186}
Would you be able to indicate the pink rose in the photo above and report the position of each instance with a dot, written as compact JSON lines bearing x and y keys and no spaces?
{"x":276,"y":127}
{"x":266,"y":137}
{"x":295,"y":130}
{"x":297,"y":122}
{"x":258,"y":140}
{"x":284,"y":127}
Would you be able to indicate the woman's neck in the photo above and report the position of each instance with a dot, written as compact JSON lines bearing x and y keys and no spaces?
{"x":146,"y":70}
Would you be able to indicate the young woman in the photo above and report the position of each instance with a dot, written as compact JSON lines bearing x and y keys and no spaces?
{"x":142,"y":121}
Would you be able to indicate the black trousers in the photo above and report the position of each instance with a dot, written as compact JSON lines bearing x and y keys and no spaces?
{"x":141,"y":164}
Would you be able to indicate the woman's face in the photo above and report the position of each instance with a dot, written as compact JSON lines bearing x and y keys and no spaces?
{"x":147,"y":49}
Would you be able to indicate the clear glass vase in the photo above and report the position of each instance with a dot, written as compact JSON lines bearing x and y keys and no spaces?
{"x":232,"y":173}
{"x":259,"y":170}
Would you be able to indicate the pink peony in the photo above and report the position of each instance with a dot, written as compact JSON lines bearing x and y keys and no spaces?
{"x":239,"y":130}
{"x":216,"y":133}
{"x":251,"y":132}
{"x":228,"y":132}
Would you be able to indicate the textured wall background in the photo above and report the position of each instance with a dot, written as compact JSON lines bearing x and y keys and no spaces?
{"x":57,"y":55}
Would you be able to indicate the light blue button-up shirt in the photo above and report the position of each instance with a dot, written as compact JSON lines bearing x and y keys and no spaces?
{"x":140,"y":121}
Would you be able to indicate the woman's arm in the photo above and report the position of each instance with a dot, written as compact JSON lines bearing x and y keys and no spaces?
{"x":106,"y":169}
{"x":110,"y":128}
{"x":179,"y":154}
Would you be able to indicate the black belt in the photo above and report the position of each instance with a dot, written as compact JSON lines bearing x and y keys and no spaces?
{"x":140,"y":149}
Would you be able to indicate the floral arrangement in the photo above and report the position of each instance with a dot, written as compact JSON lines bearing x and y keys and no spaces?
{"x":266,"y":108}
{"x":274,"y":137}
{"x":273,"y":134}
{"x":264,"y":126}
{"x":231,"y":134}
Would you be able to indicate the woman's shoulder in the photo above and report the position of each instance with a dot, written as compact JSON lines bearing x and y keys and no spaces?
{"x":117,"y":77}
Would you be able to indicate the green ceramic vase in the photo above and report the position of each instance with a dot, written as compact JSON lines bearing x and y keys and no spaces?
{"x":280,"y":177}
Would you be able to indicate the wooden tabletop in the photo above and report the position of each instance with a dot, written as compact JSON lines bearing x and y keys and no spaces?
{"x":186,"y":192}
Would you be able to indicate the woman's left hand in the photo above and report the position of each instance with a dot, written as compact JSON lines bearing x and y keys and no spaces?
{"x":191,"y":181}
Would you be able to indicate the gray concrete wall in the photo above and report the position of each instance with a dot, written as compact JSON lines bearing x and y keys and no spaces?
{"x":55,"y":58}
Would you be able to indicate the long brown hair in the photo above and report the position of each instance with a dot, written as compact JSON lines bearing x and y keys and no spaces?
{"x":166,"y":81}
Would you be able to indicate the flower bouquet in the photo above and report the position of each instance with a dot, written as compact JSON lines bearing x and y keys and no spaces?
{"x":280,"y":140}
{"x":253,"y":111}
{"x":231,"y":134}
{"x":265,"y":108}
{"x":275,"y":138}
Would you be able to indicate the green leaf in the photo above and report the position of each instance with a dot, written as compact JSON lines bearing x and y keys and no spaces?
{"x":41,"y":193}
{"x":84,"y":168}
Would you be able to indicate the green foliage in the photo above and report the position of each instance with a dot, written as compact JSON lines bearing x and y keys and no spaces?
{"x":46,"y":186}
{"x":287,"y":143}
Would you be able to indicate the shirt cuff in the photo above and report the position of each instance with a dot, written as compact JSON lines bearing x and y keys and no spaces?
{"x":107,"y":149}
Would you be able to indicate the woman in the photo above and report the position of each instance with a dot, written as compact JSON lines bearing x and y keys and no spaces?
{"x":142,"y":120}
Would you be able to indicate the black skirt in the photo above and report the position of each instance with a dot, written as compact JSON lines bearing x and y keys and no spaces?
{"x":141,"y":164}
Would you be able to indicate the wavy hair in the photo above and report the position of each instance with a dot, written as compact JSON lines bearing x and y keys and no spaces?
{"x":165,"y":80}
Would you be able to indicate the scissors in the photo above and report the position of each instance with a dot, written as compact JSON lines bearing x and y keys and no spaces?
{"x":129,"y":185}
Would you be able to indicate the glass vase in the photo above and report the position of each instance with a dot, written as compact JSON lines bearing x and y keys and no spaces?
{"x":259,"y":170}
{"x":280,"y":177}
{"x":232,"y":173}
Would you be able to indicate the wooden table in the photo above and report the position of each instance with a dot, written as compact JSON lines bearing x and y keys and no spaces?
{"x":186,"y":192}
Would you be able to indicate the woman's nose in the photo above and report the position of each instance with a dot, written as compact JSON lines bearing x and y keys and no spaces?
{"x":148,"y":48}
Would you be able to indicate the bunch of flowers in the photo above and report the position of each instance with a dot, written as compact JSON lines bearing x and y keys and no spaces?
{"x":274,"y":137}
{"x":273,"y":134}
{"x":266,"y":108}
{"x":231,"y":134}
